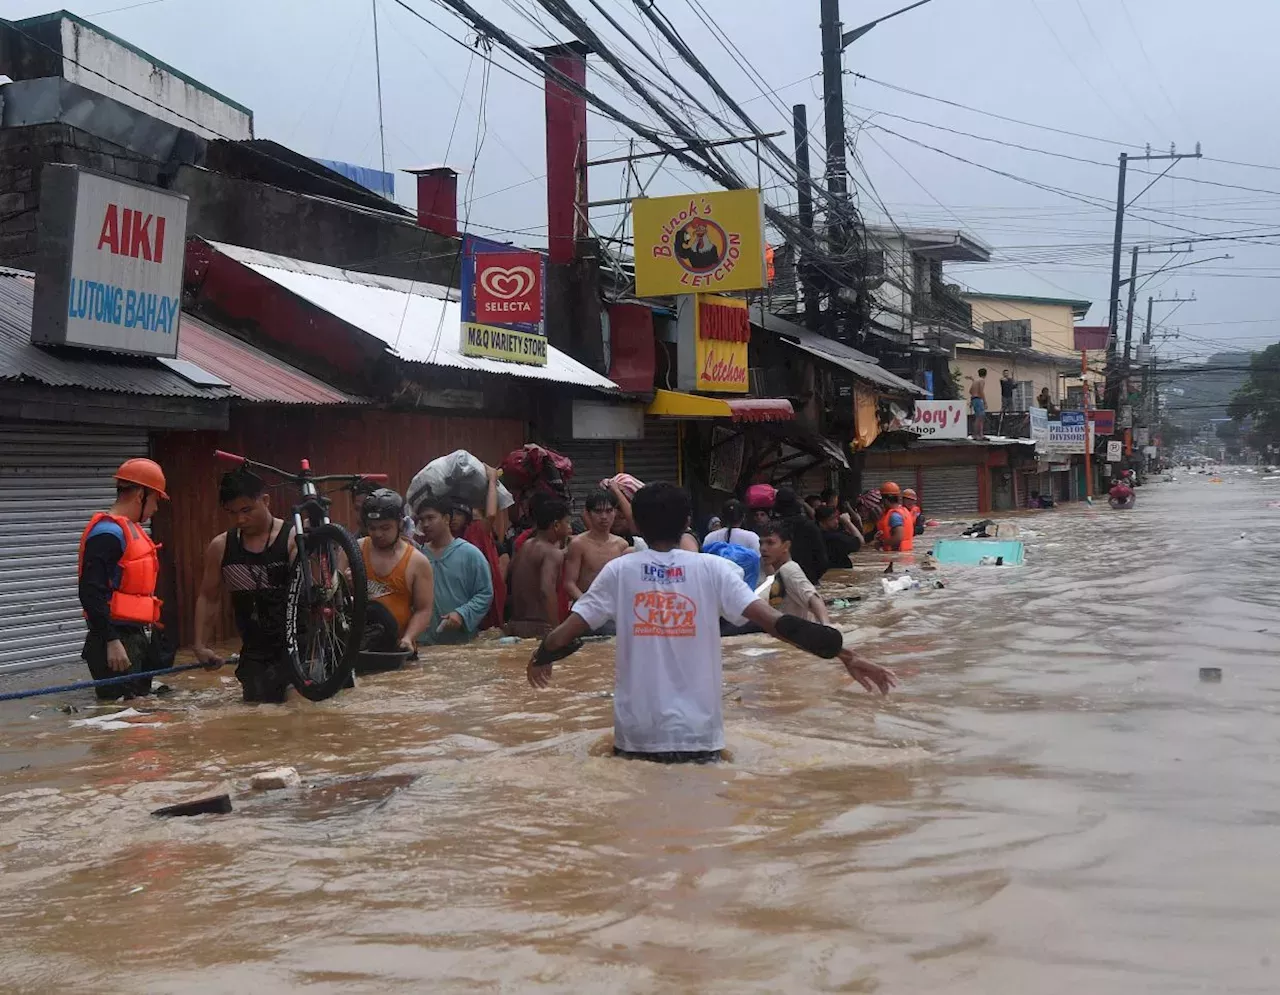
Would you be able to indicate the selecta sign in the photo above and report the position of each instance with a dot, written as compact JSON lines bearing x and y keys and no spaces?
{"x":108,"y":263}
{"x":509,"y":288}
{"x":503,"y":303}
{"x":939,"y":420}
{"x":704,"y":243}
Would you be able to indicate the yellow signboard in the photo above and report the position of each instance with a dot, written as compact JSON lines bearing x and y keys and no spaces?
{"x":699,"y":243}
{"x":506,"y":344}
{"x":722,"y":331}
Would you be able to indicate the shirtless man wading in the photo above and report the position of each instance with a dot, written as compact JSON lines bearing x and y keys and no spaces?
{"x":536,"y":573}
{"x":589,"y":552}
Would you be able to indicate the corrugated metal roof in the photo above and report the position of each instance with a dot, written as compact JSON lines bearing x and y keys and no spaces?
{"x":837,"y":353}
{"x":419,"y":322}
{"x":20,"y":361}
{"x":253,"y":374}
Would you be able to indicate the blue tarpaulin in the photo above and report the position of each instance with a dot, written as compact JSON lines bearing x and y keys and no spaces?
{"x":371,"y":179}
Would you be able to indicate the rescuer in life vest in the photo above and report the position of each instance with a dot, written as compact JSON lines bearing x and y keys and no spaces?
{"x":118,"y":571}
{"x":896,"y":529}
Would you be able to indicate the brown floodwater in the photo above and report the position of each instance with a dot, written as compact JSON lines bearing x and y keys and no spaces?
{"x":1052,"y":802}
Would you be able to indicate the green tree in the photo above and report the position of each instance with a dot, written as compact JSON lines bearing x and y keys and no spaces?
{"x":1259,"y":398}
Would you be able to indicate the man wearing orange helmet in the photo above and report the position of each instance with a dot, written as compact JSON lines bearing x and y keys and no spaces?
{"x":896,"y":529}
{"x":118,"y":571}
{"x":911,"y":504}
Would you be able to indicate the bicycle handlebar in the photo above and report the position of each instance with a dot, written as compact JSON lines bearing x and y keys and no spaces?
{"x":226,"y":457}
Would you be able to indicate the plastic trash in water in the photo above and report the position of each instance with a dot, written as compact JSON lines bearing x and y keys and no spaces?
{"x":899,"y":584}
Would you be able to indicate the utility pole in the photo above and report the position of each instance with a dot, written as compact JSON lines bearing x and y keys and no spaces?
{"x":804,"y":202}
{"x":837,"y":175}
{"x":840,"y":216}
{"x":377,"y":68}
{"x":1128,"y":317}
{"x":1117,"y":247}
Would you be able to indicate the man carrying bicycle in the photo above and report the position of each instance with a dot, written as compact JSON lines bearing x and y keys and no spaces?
{"x":251,"y":562}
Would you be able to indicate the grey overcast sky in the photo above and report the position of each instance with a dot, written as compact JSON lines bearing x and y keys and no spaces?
{"x":1118,"y":73}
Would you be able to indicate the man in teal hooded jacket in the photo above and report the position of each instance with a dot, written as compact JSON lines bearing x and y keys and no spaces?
{"x":462,"y":581}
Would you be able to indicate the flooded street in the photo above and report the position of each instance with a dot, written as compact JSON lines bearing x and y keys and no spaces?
{"x":1051,"y":802}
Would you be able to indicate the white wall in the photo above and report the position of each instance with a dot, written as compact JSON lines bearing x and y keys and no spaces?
{"x":196,"y":109}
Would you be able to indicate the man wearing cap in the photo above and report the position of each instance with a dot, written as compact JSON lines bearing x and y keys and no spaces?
{"x":399,"y":576}
{"x":911,"y":503}
{"x":118,"y":570}
{"x":897,"y":528}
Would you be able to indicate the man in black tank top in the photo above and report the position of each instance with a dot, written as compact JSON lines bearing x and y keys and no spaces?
{"x":250,"y":561}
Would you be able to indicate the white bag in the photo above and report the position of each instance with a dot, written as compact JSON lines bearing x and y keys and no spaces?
{"x":459,"y":477}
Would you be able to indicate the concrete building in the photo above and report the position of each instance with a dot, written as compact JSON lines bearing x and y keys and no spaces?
{"x":1031,"y":338}
{"x":68,"y":47}
{"x":914,"y":311}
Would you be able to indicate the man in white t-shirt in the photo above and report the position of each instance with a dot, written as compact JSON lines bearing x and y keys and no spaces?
{"x":668,"y":603}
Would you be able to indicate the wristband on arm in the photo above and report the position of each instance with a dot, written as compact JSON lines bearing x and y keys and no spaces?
{"x":820,"y":640}
{"x":545,"y":657}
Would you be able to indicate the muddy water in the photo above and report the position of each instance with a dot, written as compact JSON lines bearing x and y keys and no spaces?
{"x":1052,"y":803}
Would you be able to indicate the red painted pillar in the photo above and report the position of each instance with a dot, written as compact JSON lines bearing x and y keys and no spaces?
{"x":566,"y":151}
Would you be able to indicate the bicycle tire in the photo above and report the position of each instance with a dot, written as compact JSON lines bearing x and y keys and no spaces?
{"x":344,"y":605}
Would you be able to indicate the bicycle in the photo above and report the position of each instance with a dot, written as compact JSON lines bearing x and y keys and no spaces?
{"x":327,"y":595}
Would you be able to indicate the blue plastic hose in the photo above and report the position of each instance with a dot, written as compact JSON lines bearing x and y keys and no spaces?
{"x":82,"y":685}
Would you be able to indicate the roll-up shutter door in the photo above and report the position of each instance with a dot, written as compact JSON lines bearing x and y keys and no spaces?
{"x":51,"y":481}
{"x":593,"y":461}
{"x":949,"y":490}
{"x":656,"y":456}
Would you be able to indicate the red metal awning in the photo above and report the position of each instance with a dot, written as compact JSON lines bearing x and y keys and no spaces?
{"x":762,"y":409}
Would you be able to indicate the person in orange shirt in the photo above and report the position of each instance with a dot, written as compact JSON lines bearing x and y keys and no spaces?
{"x":399,"y":576}
{"x":896,"y":528}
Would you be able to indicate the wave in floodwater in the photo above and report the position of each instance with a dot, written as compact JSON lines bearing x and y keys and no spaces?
{"x":1052,"y":802}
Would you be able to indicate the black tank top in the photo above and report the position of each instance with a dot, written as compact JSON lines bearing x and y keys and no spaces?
{"x":258,"y":583}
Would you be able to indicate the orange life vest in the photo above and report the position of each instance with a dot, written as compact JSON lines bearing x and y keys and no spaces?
{"x":133,"y":597}
{"x":908,"y":529}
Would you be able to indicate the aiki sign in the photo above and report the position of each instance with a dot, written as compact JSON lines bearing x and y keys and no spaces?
{"x":109,"y":263}
{"x":503,"y":303}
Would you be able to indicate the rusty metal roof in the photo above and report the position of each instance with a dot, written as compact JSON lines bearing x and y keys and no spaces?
{"x":22,"y":362}
{"x":251,"y":374}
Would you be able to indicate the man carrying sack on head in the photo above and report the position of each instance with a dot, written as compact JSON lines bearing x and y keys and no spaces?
{"x":118,"y":569}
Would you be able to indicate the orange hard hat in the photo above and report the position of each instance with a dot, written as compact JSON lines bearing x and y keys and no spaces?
{"x":145,"y":473}
{"x":889,"y":487}
{"x":909,"y":492}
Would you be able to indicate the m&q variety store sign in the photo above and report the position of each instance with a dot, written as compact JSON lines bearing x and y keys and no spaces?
{"x":109,"y":263}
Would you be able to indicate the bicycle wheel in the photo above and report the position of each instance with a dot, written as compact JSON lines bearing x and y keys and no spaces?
{"x":325,"y":618}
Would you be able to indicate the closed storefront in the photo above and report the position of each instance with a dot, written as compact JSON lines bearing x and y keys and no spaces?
{"x":52,"y":479}
{"x":656,"y":456}
{"x":949,"y":490}
{"x":593,"y":461}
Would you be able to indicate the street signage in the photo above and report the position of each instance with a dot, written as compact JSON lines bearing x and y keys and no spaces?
{"x":1104,"y":421}
{"x":1115,"y":451}
{"x":1039,"y":428}
{"x":722,"y":332}
{"x":699,"y":243}
{"x":1067,"y":434}
{"x":503,"y":302}
{"x":109,"y":262}
{"x":939,"y":420}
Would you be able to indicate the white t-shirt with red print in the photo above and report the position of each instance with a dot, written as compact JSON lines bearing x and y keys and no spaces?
{"x":667,"y":607}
